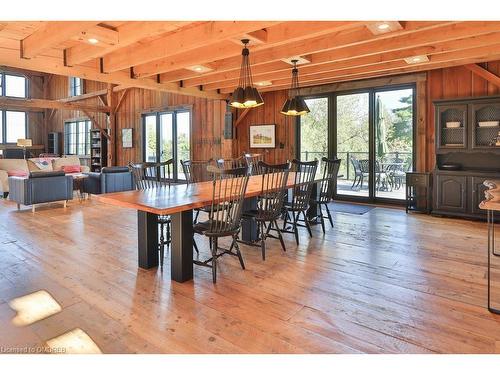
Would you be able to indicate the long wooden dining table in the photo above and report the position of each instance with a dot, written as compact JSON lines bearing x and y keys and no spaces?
{"x":178,"y":201}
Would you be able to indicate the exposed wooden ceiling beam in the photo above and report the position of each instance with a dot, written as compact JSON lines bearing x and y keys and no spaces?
{"x":52,"y":34}
{"x":88,"y":95}
{"x":398,"y":70}
{"x":54,"y":65}
{"x":317,"y":44}
{"x":484,"y":73}
{"x":277,"y":35}
{"x":276,"y":71}
{"x":128,"y":33}
{"x":183,"y":40}
{"x":423,"y":38}
{"x":49,"y":104}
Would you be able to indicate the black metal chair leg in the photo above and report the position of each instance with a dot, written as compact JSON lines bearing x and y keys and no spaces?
{"x":321,"y":218}
{"x":214,"y":259}
{"x":354,"y":182}
{"x":329,"y":214}
{"x":195,"y":246}
{"x":308,"y":226}
{"x":280,"y":236}
{"x":196,"y":216}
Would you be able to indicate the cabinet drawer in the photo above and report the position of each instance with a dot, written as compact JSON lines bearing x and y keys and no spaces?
{"x":417,"y":179}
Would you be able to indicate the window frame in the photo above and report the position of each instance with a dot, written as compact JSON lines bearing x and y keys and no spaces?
{"x":3,"y":87}
{"x":3,"y":114}
{"x":86,"y":144}
{"x":71,"y":87}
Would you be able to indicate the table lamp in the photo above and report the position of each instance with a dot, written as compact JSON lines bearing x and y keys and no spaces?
{"x":24,"y":143}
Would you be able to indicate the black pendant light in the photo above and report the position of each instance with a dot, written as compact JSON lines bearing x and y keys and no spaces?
{"x":294,"y":105}
{"x":245,"y":95}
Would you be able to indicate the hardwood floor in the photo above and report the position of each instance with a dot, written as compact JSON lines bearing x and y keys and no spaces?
{"x":382,"y":282}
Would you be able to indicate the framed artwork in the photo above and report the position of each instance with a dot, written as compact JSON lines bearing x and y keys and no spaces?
{"x":127,"y":138}
{"x":262,"y":136}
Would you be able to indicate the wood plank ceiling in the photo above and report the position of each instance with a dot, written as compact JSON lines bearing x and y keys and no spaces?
{"x":203,"y":58}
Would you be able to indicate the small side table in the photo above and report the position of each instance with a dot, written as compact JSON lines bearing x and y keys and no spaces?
{"x":418,"y":191}
{"x":78,"y":182}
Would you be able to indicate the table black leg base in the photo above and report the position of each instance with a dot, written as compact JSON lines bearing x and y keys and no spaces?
{"x":182,"y":246}
{"x":147,"y":237}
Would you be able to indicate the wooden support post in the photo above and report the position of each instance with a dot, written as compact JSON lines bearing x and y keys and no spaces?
{"x":112,"y":103}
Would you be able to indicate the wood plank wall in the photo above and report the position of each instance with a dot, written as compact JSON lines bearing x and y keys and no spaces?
{"x":207,"y":120}
{"x":269,"y":113}
{"x":451,"y":82}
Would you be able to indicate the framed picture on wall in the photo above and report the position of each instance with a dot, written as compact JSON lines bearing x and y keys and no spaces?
{"x":263,"y":136}
{"x":127,"y":138}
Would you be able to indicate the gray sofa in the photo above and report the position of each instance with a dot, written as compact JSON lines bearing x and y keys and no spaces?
{"x":109,"y":180}
{"x":41,"y":187}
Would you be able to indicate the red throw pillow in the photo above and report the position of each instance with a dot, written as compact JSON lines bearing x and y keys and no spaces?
{"x":17,"y":173}
{"x":71,"y":169}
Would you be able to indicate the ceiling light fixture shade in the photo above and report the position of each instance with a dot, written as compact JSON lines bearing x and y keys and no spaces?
{"x":245,"y":95}
{"x":294,"y":105}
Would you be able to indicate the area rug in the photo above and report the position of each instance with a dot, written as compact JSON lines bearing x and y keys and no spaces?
{"x":350,"y":208}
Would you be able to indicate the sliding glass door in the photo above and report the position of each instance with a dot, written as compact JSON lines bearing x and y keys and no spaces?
{"x":353,"y":144}
{"x":167,"y":135}
{"x":372,"y":131}
{"x":393,"y":141}
{"x":313,"y":130}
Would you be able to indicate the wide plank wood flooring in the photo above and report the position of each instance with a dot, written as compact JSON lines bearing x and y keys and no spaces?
{"x":382,"y":282}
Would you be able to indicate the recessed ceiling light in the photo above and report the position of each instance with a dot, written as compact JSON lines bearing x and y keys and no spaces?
{"x":383,"y":27}
{"x":416,"y":59}
{"x":263,"y":83}
{"x":93,"y":40}
{"x":300,"y":60}
{"x":200,"y":68}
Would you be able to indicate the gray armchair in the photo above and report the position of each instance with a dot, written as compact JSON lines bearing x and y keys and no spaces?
{"x":110,"y":180}
{"x":41,"y":187}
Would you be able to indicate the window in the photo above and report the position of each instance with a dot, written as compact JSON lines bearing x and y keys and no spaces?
{"x":75,"y":86}
{"x":167,"y":135}
{"x":77,"y":137}
{"x":12,"y":126}
{"x":13,"y":85}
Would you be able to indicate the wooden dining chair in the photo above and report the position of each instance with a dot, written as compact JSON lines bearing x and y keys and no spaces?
{"x":231,"y":163}
{"x":270,"y":203}
{"x":150,"y":176}
{"x":327,"y":188}
{"x":253,"y":163}
{"x":228,"y":192}
{"x":305,"y":172}
{"x":197,"y":171}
